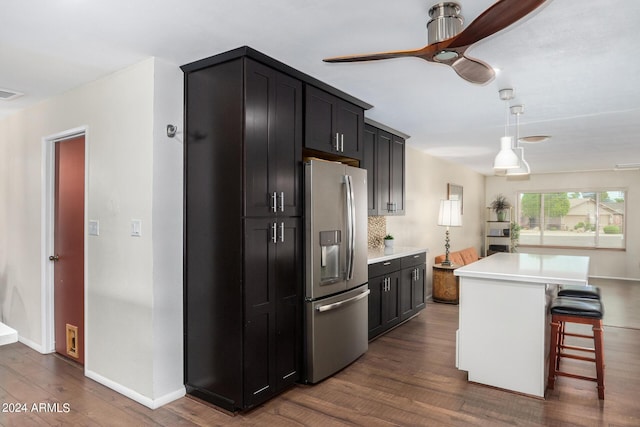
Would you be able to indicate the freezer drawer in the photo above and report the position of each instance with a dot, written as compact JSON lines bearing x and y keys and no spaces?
{"x":336,"y":332}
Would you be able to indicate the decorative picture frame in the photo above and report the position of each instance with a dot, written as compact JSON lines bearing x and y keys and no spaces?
{"x":454,"y":192}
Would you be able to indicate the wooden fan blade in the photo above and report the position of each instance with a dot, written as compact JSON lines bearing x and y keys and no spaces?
{"x":375,"y":56}
{"x":499,"y":16}
{"x":473,"y":70}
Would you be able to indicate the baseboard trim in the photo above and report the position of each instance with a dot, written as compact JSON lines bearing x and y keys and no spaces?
{"x":134,"y":395}
{"x":31,"y":344}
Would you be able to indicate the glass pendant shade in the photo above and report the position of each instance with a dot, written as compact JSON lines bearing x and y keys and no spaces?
{"x":506,"y":158}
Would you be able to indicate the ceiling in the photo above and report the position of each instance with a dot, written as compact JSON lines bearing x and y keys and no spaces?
{"x":574,"y":65}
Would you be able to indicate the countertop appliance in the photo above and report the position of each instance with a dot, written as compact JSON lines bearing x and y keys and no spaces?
{"x":336,"y":289}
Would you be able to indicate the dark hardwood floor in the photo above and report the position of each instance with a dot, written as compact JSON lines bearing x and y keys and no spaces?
{"x":407,"y":378}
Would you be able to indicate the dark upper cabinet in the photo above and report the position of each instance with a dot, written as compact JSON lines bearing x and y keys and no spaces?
{"x":243,"y":233}
{"x":273,"y":138}
{"x":332,"y":124}
{"x":384,"y":159}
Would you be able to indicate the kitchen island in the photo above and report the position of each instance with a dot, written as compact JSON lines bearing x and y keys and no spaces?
{"x":503,"y":335}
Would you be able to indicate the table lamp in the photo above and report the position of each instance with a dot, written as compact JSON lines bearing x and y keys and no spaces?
{"x":449,"y":216}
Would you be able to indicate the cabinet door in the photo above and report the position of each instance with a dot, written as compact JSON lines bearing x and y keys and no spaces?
{"x":349,"y":125}
{"x":288,"y":281}
{"x":259,"y":306}
{"x":273,"y":142}
{"x":383,"y":172}
{"x":369,"y":162}
{"x":320,"y":133}
{"x":391,"y":310}
{"x":397,"y":187}
{"x":419,"y":288}
{"x":406,"y":292}
{"x":376,"y":293}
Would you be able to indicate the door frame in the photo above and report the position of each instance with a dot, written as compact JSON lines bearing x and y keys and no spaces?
{"x":47,"y":236}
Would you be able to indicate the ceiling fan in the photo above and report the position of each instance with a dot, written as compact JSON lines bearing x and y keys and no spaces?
{"x":448,"y":41}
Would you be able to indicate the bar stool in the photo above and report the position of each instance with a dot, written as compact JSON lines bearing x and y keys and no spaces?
{"x":583,"y":311}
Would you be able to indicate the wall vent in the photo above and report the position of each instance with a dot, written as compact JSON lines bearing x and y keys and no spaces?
{"x":8,"y":94}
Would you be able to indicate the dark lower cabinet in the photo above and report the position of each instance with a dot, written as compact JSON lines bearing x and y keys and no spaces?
{"x":243,"y":233}
{"x":397,"y":292}
{"x":273,"y":322}
{"x":384,"y":303}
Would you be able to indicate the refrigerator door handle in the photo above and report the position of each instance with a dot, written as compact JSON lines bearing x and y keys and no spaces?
{"x":340,"y":303}
{"x":351,"y":225}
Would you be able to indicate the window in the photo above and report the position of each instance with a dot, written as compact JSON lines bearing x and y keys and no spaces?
{"x":582,"y":219}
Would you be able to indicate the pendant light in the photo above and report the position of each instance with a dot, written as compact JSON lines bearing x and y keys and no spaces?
{"x":506,"y":158}
{"x":523,"y":167}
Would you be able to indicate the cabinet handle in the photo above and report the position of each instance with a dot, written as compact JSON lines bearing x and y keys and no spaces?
{"x":282,"y":231}
{"x":386,"y":263}
{"x":274,"y":231}
{"x":282,"y":201}
{"x":342,"y":143}
{"x":337,"y":141}
{"x":274,"y":202}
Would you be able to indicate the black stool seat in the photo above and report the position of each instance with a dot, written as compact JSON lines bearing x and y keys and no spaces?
{"x":579,"y":291}
{"x":580,"y":307}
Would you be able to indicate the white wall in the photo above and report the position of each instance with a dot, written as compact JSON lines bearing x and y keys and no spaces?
{"x":426,"y":180}
{"x":134,"y":285}
{"x":604,"y":263}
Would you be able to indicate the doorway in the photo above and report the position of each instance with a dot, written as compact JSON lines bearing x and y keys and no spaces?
{"x":66,"y":246}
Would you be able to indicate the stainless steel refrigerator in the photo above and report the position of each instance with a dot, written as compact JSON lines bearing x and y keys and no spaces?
{"x":336,"y":289}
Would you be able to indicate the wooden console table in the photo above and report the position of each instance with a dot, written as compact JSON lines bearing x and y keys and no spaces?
{"x":445,"y":284}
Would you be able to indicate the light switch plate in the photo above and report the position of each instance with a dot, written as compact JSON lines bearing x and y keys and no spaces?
{"x":136,"y":227}
{"x":94,"y":227}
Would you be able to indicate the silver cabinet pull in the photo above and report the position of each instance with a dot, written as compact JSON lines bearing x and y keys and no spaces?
{"x":337,"y":141}
{"x":274,"y":231}
{"x":386,"y":263}
{"x":282,"y":201}
{"x":342,"y":143}
{"x":282,"y":231}
{"x":274,"y":202}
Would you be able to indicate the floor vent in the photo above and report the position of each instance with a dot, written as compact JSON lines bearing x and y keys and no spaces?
{"x":8,"y":95}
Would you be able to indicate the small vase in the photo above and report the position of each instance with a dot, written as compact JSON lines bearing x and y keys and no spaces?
{"x":501,"y":215}
{"x":388,"y":243}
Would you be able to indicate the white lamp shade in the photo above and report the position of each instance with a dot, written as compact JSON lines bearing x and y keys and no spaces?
{"x":506,"y":158}
{"x":523,"y":166}
{"x":450,"y":213}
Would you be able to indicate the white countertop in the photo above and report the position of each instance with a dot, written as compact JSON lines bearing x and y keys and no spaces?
{"x":385,"y":254}
{"x":537,"y":268}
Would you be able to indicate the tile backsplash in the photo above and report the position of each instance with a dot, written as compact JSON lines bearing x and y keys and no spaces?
{"x":377,"y":229}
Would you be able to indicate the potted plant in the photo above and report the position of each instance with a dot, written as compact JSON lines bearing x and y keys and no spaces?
{"x":500,"y":204}
{"x":388,"y":241}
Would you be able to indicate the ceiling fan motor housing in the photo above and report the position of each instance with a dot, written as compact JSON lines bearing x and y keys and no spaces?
{"x":445,"y":22}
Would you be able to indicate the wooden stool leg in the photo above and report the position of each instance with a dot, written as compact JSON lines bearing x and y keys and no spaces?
{"x":560,"y":343}
{"x":599,"y":353}
{"x":553,"y":353}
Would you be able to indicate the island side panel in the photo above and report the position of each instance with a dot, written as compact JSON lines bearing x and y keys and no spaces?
{"x":503,"y":334}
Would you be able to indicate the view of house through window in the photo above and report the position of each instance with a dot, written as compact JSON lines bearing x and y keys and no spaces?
{"x":586,"y":219}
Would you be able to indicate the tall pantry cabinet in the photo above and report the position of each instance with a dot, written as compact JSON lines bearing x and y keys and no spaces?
{"x":243,"y":230}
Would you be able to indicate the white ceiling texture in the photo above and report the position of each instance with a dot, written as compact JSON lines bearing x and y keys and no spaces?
{"x":574,"y":65}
